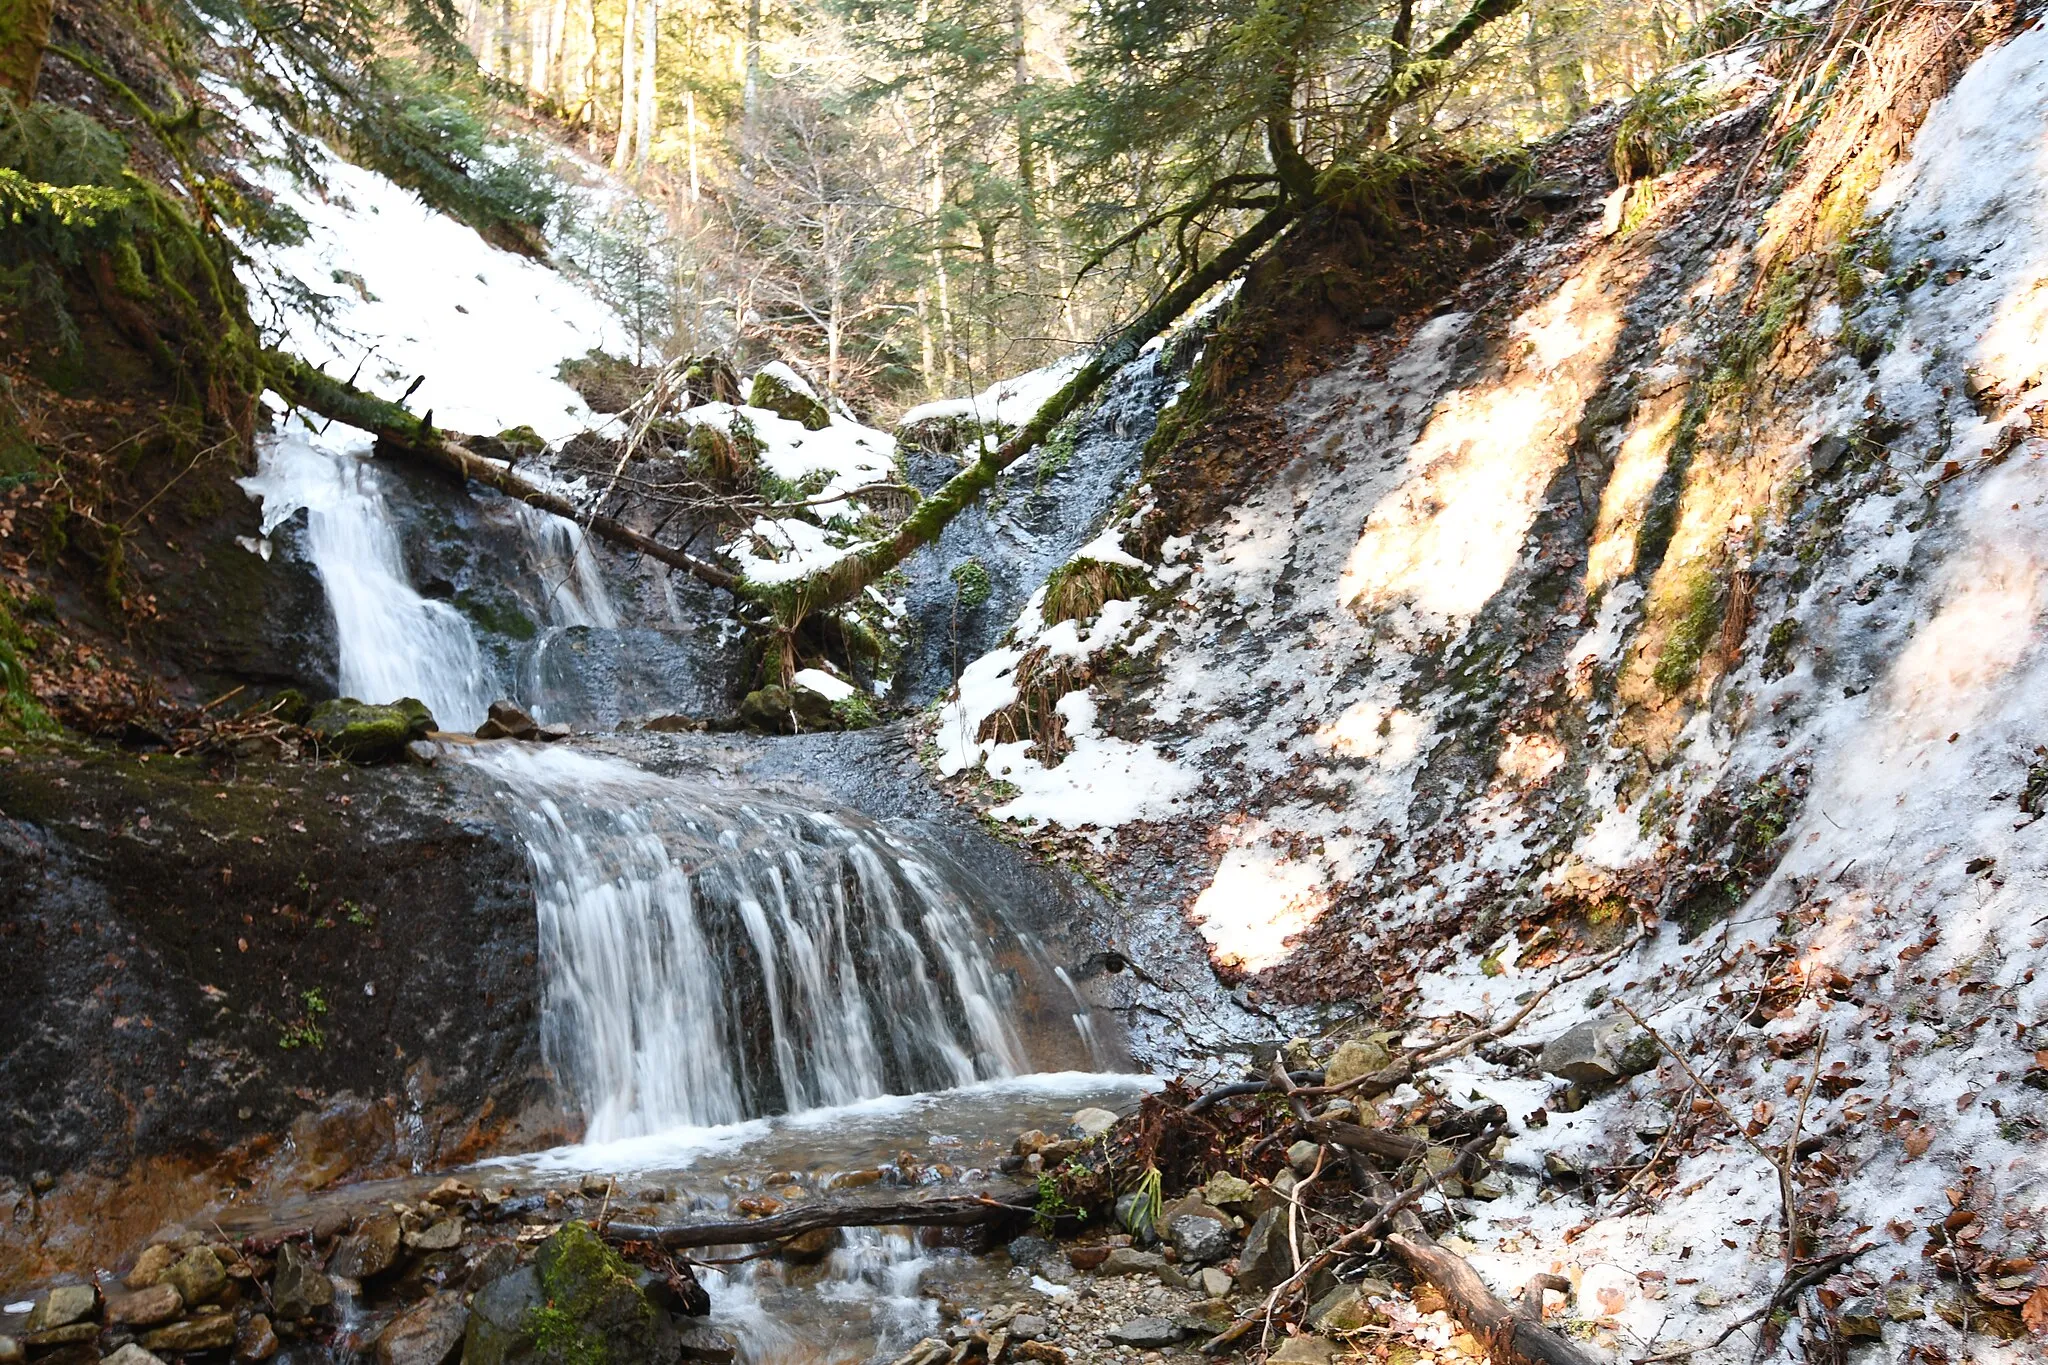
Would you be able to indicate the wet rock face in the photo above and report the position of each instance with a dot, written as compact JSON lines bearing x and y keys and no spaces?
{"x":321,"y":950}
{"x":1043,"y":509}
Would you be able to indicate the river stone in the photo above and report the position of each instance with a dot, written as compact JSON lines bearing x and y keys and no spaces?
{"x":1030,"y":1327}
{"x":1134,"y":1214}
{"x":775,"y":393}
{"x":150,"y":1266}
{"x":1193,"y":1206}
{"x":426,"y":1333}
{"x":1303,"y":1155}
{"x":498,"y":1323}
{"x":62,"y":1306}
{"x":1354,"y":1058}
{"x":1030,"y":1252}
{"x":1347,"y":1308}
{"x":1304,"y":1351}
{"x":1225,"y":1189}
{"x":1199,"y":1240}
{"x":1598,"y":1051}
{"x":703,"y":1342}
{"x":445,"y":1235}
{"x":198,"y":1276}
{"x":144,"y":1307}
{"x":298,"y":1289}
{"x":254,"y":1339}
{"x":1860,"y":1319}
{"x":130,"y":1354}
{"x":1091,"y":1123}
{"x":209,"y":1333}
{"x":369,"y":1251}
{"x":75,"y":1334}
{"x":1214,"y":1283}
{"x":1145,"y":1333}
{"x":585,"y":1280}
{"x":366,"y":733}
{"x":11,"y":1352}
{"x":507,"y":721}
{"x":1128,"y":1261}
{"x":1266,"y":1259}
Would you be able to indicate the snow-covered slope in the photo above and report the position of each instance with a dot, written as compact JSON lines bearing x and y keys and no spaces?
{"x":1662,"y":623}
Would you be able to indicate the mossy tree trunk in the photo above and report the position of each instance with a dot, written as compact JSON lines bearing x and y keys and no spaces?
{"x":24,"y":33}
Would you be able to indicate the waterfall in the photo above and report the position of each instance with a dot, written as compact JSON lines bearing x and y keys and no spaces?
{"x":393,"y":642}
{"x":710,"y":959}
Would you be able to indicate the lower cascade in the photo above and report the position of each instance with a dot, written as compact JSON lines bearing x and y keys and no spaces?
{"x":710,"y":960}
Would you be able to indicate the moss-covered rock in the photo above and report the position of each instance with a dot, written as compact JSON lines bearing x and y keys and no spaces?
{"x":367,"y":733}
{"x":779,"y":710}
{"x":774,"y":391}
{"x":592,"y":1309}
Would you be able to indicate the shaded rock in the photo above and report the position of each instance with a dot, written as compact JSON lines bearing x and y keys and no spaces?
{"x":807,"y":1247}
{"x":366,"y":733}
{"x":198,"y":1276}
{"x":1146,"y":1333}
{"x":369,"y":1251}
{"x":779,"y":391}
{"x":1303,"y":1155}
{"x":779,"y":710}
{"x":1860,"y":1318}
{"x":1091,"y":1123}
{"x":131,"y":1354}
{"x":1347,"y":1308}
{"x":1088,"y":1257}
{"x":75,"y":1334}
{"x":1031,"y":1251}
{"x":209,"y":1333}
{"x":449,"y":1193}
{"x":676,"y":1292}
{"x":500,"y":1258}
{"x":11,"y":1352}
{"x":144,"y":1307}
{"x":61,"y":1307}
{"x":1199,"y":1241}
{"x":445,"y":1235}
{"x":1135,"y":1214}
{"x":507,"y":721}
{"x":1214,"y":1283}
{"x":1598,"y":1051}
{"x":426,"y":1333}
{"x":499,"y":1328}
{"x":1193,"y":1206}
{"x":150,"y":1266}
{"x":1205,"y":1319}
{"x":1354,"y":1058}
{"x":1304,"y":1351}
{"x":255,"y":1340}
{"x":299,"y":1289}
{"x":1129,"y":1261}
{"x":702,"y":1342}
{"x":1266,"y":1259}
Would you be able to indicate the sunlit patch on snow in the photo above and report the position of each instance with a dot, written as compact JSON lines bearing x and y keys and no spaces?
{"x":1258,"y":900}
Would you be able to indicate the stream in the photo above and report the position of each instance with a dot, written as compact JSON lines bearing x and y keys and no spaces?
{"x":744,"y":995}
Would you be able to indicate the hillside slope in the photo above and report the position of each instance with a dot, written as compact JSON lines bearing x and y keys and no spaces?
{"x":1651,"y":626}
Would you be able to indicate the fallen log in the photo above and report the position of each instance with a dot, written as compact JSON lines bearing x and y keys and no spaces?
{"x":400,"y":433}
{"x":996,"y":1205}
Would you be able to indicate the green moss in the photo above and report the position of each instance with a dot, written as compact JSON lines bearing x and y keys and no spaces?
{"x":20,"y":712}
{"x":1652,"y":135}
{"x":1778,"y":648}
{"x":593,"y":1311}
{"x":497,"y":618}
{"x":1678,"y":663}
{"x":778,"y":396}
{"x":366,"y":733}
{"x":971,"y":583}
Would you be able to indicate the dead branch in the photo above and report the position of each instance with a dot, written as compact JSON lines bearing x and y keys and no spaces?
{"x":995,"y":1205}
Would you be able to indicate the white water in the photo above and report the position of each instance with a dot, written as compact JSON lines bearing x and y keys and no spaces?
{"x":710,"y":961}
{"x":393,"y":642}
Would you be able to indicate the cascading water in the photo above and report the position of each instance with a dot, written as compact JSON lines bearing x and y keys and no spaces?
{"x":713,"y":961}
{"x":393,"y":641}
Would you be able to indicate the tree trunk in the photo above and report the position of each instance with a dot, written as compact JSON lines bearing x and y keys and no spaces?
{"x":998,"y":1205}
{"x":552,"y":84}
{"x":629,"y":74}
{"x":650,"y":106}
{"x":690,"y":133}
{"x":24,"y":33}
{"x":750,"y":88}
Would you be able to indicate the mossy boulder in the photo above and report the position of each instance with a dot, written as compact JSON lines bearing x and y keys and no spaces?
{"x":363,"y":732}
{"x":779,"y":393}
{"x":779,"y":710}
{"x":592,"y":1310}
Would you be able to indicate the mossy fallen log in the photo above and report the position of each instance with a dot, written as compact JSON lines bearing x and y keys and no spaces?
{"x":401,"y":433}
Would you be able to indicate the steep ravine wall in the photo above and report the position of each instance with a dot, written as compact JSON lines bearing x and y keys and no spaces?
{"x":1655,"y":617}
{"x":264,"y":976}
